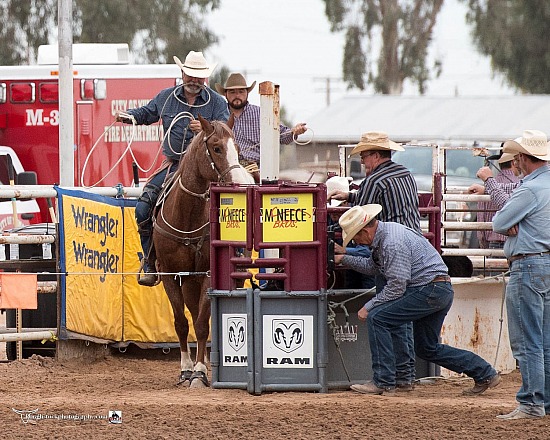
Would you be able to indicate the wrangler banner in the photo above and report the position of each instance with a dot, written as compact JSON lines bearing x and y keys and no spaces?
{"x":99,"y":260}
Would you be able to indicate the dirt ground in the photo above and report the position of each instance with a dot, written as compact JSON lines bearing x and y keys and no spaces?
{"x":154,"y":408}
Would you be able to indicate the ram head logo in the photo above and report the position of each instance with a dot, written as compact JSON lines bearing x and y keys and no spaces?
{"x":236,"y":332}
{"x":288,"y":334}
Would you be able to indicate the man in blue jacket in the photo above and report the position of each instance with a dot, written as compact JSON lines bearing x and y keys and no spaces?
{"x":177,"y":107}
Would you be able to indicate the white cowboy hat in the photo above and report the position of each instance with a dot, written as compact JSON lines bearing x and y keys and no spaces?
{"x":375,"y":140}
{"x":195,"y":65}
{"x":234,"y":81}
{"x":336,"y":183}
{"x":353,"y":220}
{"x":533,"y":143}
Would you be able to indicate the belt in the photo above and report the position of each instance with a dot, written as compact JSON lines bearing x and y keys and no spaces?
{"x":442,"y":279}
{"x":520,"y":256}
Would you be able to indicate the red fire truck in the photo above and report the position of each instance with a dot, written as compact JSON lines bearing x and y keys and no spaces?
{"x":104,"y":82}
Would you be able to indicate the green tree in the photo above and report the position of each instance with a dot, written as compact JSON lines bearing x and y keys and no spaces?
{"x":219,"y":75}
{"x":514,"y":34}
{"x":24,"y":25}
{"x":155,"y":29}
{"x":402,"y":29}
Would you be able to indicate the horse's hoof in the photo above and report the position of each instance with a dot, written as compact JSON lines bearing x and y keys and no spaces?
{"x":184,"y":377}
{"x":199,"y":380}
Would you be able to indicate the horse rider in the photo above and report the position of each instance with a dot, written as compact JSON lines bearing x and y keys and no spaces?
{"x":246,"y":127}
{"x":178,"y":108}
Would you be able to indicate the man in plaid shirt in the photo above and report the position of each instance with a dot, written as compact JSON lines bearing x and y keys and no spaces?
{"x":508,"y":174}
{"x":247,"y":119}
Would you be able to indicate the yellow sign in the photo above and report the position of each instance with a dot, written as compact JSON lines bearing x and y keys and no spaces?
{"x":232,"y":216}
{"x":102,"y":297}
{"x":287,"y":217}
{"x":93,"y":248}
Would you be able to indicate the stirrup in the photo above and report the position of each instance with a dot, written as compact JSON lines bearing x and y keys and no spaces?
{"x":148,"y":279}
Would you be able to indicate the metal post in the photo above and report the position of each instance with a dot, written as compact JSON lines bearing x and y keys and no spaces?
{"x":66,"y":123}
{"x":269,"y":131}
{"x":19,"y":342}
{"x":269,"y":140}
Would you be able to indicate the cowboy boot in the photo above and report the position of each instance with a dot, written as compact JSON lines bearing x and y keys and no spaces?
{"x":149,"y":277}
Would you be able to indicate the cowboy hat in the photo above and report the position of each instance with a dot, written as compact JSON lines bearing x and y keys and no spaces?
{"x":354,"y":219}
{"x":375,"y":140}
{"x":532,"y":143}
{"x":336,"y":183}
{"x":506,"y":157}
{"x":195,"y":65}
{"x":234,"y":81}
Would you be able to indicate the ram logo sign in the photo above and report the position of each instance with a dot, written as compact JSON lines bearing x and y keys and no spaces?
{"x":288,"y":341}
{"x":236,"y":336}
{"x":288,"y":334}
{"x":234,"y":346}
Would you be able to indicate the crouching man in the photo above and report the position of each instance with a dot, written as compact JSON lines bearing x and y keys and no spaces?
{"x":418,"y":289}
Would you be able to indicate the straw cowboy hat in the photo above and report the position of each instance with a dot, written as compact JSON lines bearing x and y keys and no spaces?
{"x":506,"y":157}
{"x":195,"y":65}
{"x":353,"y":220}
{"x":375,"y":141}
{"x":336,"y":183}
{"x":234,"y":81}
{"x":533,"y":143}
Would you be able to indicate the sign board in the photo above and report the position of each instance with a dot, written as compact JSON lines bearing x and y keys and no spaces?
{"x":288,"y":341}
{"x":287,"y":217}
{"x":234,"y":344}
{"x":232,"y":216}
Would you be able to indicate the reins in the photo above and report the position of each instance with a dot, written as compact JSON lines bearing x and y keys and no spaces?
{"x":203,"y":196}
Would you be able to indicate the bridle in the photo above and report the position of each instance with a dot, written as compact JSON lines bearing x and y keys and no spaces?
{"x":221,"y":174}
{"x":203,"y":196}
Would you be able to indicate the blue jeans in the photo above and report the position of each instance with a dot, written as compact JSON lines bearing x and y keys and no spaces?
{"x":403,"y":346}
{"x":426,"y":306}
{"x":145,"y":206}
{"x":528,"y":308}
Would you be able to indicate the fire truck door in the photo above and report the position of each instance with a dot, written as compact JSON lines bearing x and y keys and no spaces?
{"x":84,"y":141}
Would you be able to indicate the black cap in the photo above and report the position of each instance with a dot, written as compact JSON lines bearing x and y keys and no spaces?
{"x":495,"y":156}
{"x":498,"y":155}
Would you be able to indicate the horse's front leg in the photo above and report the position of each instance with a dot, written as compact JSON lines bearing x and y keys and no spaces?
{"x":201,"y":324}
{"x":181,"y":325}
{"x":186,"y":364}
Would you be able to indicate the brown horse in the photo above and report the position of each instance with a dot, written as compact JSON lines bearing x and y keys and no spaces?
{"x":181,"y":236}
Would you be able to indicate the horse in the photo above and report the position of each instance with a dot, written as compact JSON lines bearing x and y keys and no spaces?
{"x":181,"y":237}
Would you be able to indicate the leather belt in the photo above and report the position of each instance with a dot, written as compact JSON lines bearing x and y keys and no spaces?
{"x":442,"y":279}
{"x":520,"y":256}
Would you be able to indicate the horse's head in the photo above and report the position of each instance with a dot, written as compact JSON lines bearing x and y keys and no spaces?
{"x":216,"y":147}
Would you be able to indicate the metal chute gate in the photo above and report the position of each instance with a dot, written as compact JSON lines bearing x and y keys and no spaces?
{"x":281,"y":339}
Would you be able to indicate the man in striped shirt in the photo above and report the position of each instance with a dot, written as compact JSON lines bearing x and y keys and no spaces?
{"x":418,"y":289}
{"x":386,"y":183}
{"x":392,"y":186}
{"x":246,"y":127}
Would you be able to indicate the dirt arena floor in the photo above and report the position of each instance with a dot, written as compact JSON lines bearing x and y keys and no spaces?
{"x":154,"y":408}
